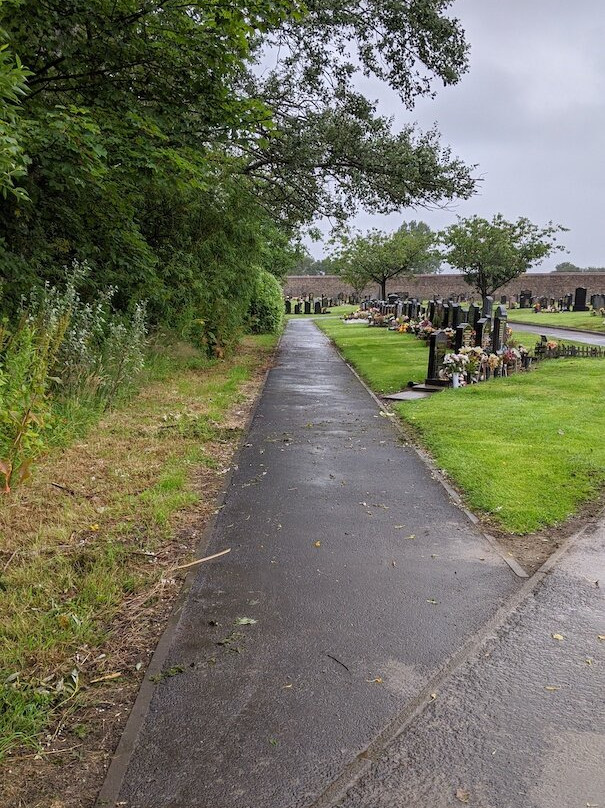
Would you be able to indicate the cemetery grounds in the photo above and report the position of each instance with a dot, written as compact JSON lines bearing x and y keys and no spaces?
{"x":524,"y":452}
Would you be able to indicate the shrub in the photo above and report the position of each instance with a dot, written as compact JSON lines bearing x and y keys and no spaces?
{"x":266,"y":311}
{"x":62,"y":356}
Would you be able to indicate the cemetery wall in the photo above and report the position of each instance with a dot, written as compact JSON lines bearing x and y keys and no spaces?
{"x":556,"y":284}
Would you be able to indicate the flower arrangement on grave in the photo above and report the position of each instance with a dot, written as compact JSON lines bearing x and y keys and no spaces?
{"x":494,"y":361}
{"x":473,"y":354}
{"x":360,"y":314}
{"x":552,"y":345}
{"x":403,"y":328}
{"x":455,"y":363}
{"x":511,"y":356}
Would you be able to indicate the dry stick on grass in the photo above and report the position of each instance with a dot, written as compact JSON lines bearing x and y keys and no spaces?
{"x":201,"y":560}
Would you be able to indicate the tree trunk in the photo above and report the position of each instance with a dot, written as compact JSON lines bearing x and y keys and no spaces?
{"x":383,"y":289}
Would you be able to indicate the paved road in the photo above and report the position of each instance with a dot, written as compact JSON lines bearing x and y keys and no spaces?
{"x":560,"y":333}
{"x":364,"y":580}
{"x":522,"y":724}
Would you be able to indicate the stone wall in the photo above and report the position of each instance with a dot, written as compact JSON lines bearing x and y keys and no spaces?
{"x":555,"y":284}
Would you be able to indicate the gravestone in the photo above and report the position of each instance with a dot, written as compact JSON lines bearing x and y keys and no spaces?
{"x":484,"y":333}
{"x":414,"y":309}
{"x":307,"y":307}
{"x":456,"y":315}
{"x":392,"y":298}
{"x":288,"y":307}
{"x":488,"y":303}
{"x":297,"y":308}
{"x":567,"y":303}
{"x":399,"y":309}
{"x":437,"y":320}
{"x":499,"y":332}
{"x":317,"y":307}
{"x":598,"y":302}
{"x":431,"y":311}
{"x":464,"y":336}
{"x":580,"y":299}
{"x":543,"y":301}
{"x":437,"y":351}
{"x":503,"y":300}
{"x":446,"y":315}
{"x":525,"y":298}
{"x":473,"y":315}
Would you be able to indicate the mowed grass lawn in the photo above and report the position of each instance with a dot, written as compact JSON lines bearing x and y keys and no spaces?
{"x":526,"y":451}
{"x":582,"y":320}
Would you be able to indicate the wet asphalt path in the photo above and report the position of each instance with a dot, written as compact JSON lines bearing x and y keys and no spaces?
{"x":348,"y":633}
{"x":522,"y":724}
{"x":560,"y":333}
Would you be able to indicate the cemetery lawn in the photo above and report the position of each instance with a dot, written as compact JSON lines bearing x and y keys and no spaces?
{"x":580,"y":320}
{"x":526,"y":452}
{"x":90,"y":545}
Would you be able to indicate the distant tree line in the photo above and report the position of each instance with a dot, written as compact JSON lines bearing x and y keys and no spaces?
{"x":567,"y":266}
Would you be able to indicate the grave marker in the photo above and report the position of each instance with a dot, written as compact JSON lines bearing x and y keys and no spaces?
{"x":437,"y":351}
{"x":580,"y":299}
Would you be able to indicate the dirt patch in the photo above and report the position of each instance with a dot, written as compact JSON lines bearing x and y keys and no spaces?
{"x":77,"y":750}
{"x":533,"y":549}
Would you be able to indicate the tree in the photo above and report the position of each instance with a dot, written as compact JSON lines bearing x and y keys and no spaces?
{"x":567,"y":266}
{"x":492,"y":253}
{"x":380,"y":257}
{"x":149,"y":144}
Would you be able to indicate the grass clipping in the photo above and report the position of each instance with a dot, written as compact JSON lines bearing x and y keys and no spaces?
{"x":93,"y":550}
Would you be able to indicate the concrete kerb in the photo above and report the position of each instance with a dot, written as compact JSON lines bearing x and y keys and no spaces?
{"x":112,"y":784}
{"x":437,"y":473}
{"x":331,"y":797}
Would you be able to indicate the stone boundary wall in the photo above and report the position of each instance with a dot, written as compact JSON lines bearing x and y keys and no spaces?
{"x":555,"y":284}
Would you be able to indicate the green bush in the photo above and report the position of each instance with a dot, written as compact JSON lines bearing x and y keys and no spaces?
{"x":266,"y":312}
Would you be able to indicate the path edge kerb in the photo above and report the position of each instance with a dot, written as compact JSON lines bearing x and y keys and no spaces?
{"x":435,"y":471}
{"x":114,"y":776}
{"x":332,"y":796}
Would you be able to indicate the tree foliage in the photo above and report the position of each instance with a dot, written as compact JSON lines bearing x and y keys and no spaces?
{"x":492,"y":253}
{"x":145,"y":139}
{"x":380,"y":257}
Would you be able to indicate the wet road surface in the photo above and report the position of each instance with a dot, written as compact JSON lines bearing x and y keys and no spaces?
{"x":522,"y":724}
{"x":363,"y":579}
{"x":560,"y":333}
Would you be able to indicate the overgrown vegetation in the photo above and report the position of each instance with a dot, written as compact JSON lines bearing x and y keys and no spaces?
{"x":521,"y":449}
{"x":62,"y":362}
{"x":90,"y":539}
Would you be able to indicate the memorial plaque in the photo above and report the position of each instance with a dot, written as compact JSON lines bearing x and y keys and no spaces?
{"x":484,"y":333}
{"x":464,"y":336}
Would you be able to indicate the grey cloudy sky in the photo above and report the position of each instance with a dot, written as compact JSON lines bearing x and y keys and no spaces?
{"x":531,"y":113}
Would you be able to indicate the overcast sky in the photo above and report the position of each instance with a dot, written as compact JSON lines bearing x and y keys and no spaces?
{"x":531,"y":113}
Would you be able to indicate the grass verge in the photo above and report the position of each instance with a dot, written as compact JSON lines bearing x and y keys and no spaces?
{"x":88,"y":551}
{"x":581,"y":320}
{"x":525,"y":451}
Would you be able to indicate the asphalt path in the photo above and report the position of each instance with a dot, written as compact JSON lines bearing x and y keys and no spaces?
{"x":364,"y":581}
{"x":560,"y":333}
{"x":522,"y":723}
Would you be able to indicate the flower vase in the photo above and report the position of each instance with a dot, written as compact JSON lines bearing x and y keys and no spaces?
{"x":455,"y":380}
